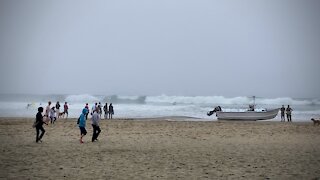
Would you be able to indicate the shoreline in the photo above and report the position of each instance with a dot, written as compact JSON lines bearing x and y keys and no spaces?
{"x":165,"y":118}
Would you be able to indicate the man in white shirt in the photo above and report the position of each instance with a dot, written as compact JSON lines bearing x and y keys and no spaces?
{"x":46,"y":114}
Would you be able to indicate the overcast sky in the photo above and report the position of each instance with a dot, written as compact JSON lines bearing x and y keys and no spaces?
{"x":267,"y":48}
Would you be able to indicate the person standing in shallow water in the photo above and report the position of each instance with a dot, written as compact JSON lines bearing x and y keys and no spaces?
{"x":289,"y":111}
{"x":39,"y":125}
{"x":282,"y":110}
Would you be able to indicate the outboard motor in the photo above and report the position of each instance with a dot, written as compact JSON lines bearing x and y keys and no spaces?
{"x":216,"y":109}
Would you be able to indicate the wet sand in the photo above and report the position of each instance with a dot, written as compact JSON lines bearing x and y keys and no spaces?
{"x":161,"y":149}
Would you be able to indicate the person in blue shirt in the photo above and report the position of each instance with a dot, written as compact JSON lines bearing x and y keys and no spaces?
{"x":82,"y":124}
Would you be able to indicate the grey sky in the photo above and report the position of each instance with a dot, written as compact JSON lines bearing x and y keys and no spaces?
{"x":267,"y":48}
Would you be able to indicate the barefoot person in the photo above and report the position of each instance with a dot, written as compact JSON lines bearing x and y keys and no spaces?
{"x":95,"y":124}
{"x":82,"y":124}
{"x":38,"y":125}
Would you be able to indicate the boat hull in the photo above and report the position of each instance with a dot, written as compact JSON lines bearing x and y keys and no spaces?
{"x":248,"y":115}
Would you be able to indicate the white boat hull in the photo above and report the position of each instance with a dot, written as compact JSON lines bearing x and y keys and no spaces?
{"x":248,"y":115}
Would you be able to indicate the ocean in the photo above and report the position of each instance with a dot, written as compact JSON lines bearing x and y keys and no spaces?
{"x":196,"y":107}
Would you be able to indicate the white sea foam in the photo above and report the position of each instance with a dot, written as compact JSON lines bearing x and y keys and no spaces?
{"x":82,"y":98}
{"x":159,"y":106}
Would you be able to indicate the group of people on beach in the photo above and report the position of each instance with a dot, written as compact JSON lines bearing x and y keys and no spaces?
{"x":52,"y":113}
{"x":96,"y":113}
{"x":108,"y":110}
{"x":287,"y":111}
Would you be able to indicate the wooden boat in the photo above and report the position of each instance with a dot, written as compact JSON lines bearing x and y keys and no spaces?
{"x":247,"y":115}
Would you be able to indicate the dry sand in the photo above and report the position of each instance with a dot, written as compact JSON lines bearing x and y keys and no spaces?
{"x":159,"y":149}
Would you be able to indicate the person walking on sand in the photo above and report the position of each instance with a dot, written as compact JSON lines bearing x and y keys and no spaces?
{"x":105,"y":109}
{"x":282,"y":110}
{"x":65,"y":109}
{"x":289,"y":111}
{"x":57,"y":109}
{"x":111,"y":111}
{"x":52,"y":115}
{"x":46,"y":114}
{"x":95,"y":124}
{"x":39,"y":125}
{"x":82,"y":124}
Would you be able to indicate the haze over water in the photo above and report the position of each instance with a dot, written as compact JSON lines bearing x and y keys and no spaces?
{"x":202,"y":53}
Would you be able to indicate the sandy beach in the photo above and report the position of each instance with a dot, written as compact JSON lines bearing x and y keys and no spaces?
{"x":161,"y":149}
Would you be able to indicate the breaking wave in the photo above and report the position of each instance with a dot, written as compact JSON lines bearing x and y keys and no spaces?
{"x":221,"y":100}
{"x":162,"y":99}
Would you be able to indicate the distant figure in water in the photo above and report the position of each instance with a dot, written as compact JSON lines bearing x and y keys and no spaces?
{"x":289,"y":111}
{"x":111,"y":111}
{"x":29,"y":106}
{"x":38,"y":125}
{"x":282,"y":110}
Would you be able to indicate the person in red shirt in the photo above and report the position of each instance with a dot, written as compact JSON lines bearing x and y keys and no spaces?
{"x":65,"y":107}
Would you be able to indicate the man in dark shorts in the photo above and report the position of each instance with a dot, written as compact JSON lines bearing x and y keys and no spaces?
{"x":82,"y":124}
